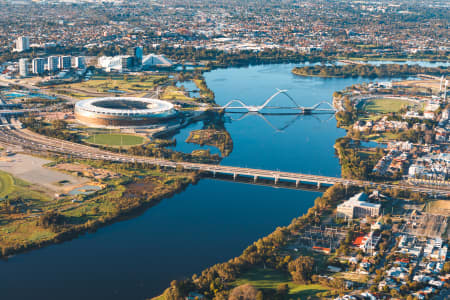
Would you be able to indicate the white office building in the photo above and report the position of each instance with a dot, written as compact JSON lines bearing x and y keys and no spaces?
{"x":23,"y":67}
{"x":53,"y":63}
{"x":80,"y":62}
{"x":22,"y":43}
{"x":38,"y":65}
{"x":116,"y":63}
{"x":65,"y":62}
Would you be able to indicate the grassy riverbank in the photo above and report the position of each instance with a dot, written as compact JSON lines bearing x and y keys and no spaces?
{"x":367,"y":71}
{"x":266,"y":279}
{"x":30,"y":219}
{"x":265,"y":264}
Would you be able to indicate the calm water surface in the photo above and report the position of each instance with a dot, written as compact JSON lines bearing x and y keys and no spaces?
{"x":209,"y":222}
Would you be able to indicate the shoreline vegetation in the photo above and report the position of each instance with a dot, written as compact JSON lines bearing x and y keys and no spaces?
{"x":223,"y":279}
{"x":367,"y":71}
{"x":218,"y":281}
{"x":220,"y":139}
{"x":120,"y":200}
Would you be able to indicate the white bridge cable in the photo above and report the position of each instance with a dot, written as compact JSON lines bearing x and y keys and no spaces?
{"x":257,"y":108}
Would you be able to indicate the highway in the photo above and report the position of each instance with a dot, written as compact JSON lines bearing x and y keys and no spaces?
{"x":32,"y":142}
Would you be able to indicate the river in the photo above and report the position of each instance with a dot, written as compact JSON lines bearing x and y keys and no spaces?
{"x":209,"y":222}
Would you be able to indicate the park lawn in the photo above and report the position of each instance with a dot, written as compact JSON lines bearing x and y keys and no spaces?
{"x":361,"y":278}
{"x":6,"y":184}
{"x":384,"y":106}
{"x":20,"y":231}
{"x":383,"y":136}
{"x":174,"y":93}
{"x":269,"y":279}
{"x":125,"y":83}
{"x":115,"y":139}
{"x":71,"y":93}
{"x":11,"y":186}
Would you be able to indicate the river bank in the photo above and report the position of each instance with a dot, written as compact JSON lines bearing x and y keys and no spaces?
{"x":61,"y":225}
{"x":217,"y":281}
{"x":209,"y":222}
{"x":367,"y":70}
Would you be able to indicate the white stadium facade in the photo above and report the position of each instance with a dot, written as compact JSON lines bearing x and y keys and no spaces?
{"x":123,"y":111}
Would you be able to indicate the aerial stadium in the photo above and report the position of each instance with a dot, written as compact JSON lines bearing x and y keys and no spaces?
{"x":123,"y":112}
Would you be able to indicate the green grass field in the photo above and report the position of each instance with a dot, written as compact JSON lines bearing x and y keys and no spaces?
{"x":269,"y":278}
{"x":124,"y":83}
{"x":115,"y":139}
{"x":383,"y":106}
{"x":174,"y":93}
{"x":6,"y":184}
{"x":15,"y":187}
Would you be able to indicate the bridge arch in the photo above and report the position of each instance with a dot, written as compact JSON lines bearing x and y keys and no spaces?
{"x":258,"y":108}
{"x":321,"y":104}
{"x":276,"y":94}
{"x":235,"y":101}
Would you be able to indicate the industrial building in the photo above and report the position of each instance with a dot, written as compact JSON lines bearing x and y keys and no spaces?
{"x":357,"y":207}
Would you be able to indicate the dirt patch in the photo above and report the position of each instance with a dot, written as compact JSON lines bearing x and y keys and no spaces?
{"x":440,"y":207}
{"x":32,"y":169}
{"x":139,"y":188}
{"x":87,"y":171}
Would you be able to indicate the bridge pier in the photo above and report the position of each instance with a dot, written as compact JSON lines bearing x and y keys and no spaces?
{"x":318,"y":185}
{"x":297,"y":182}
{"x":234,"y":176}
{"x":276,"y":179}
{"x":255,"y":178}
{"x":214,"y":174}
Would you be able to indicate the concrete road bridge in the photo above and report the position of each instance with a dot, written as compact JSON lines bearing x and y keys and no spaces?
{"x":35,"y":143}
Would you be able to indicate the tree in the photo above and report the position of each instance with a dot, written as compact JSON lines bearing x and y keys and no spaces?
{"x":243,"y":292}
{"x":301,"y":269}
{"x":260,"y":296}
{"x":283,"y":290}
{"x":446,"y":268}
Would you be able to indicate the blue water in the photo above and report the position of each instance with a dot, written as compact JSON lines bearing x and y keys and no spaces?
{"x":190,"y":87}
{"x":301,"y":143}
{"x":14,"y":95}
{"x":208,"y":223}
{"x":411,"y":62}
{"x":185,"y":147}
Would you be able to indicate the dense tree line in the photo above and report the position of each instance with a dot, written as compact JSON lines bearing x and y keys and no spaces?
{"x":56,"y":129}
{"x":51,"y":220}
{"x":215,"y":282}
{"x":68,"y":227}
{"x":368,"y":71}
{"x":352,"y":165}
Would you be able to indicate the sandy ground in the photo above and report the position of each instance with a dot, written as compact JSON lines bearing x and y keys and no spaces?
{"x":434,"y":84}
{"x":31,"y":169}
{"x":441,"y":207}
